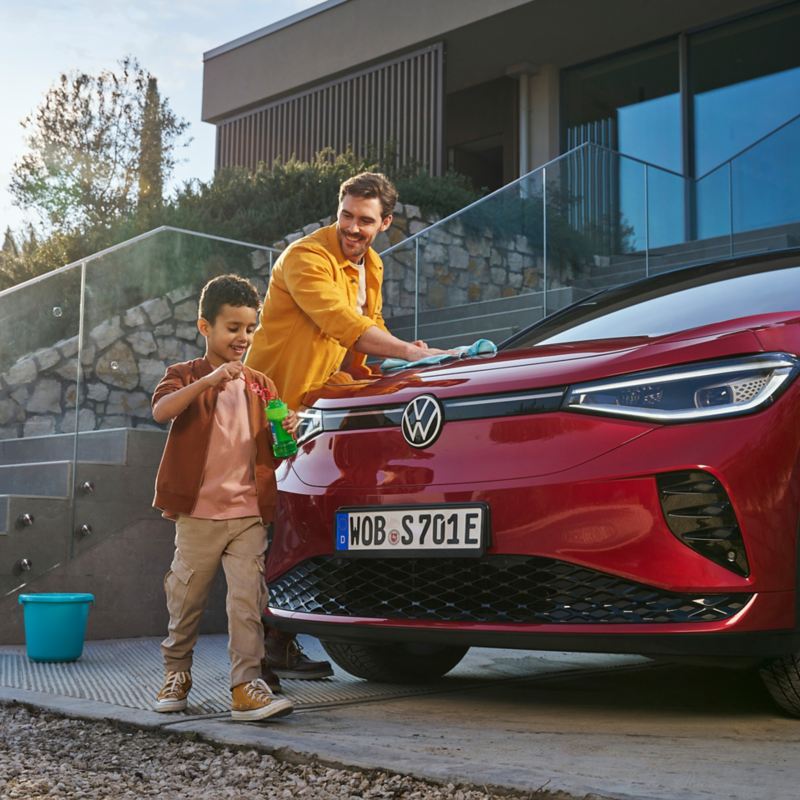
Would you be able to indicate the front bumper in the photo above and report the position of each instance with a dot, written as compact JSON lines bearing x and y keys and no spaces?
{"x":597,"y":527}
{"x":702,"y":641}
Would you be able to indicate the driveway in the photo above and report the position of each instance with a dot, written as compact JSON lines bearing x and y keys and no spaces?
{"x":612,"y":726}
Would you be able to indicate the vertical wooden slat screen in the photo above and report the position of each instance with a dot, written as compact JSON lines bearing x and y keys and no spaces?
{"x":398,"y":102}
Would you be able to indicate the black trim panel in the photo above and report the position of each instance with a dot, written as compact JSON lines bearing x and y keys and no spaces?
{"x":767,"y":644}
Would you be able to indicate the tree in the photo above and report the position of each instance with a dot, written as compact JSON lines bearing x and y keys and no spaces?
{"x":151,"y":150}
{"x":9,"y":248}
{"x":85,"y":147}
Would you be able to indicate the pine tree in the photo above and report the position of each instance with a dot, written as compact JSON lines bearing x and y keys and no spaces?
{"x":151,"y":151}
{"x":10,"y":248}
{"x":31,"y":244}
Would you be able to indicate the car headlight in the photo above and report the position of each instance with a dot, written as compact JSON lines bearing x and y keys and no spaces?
{"x":310,"y":425}
{"x":689,"y":393}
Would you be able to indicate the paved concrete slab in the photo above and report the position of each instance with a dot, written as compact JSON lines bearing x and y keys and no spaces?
{"x":614,"y":726}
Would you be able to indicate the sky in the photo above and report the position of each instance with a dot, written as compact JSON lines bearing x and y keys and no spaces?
{"x":40,"y":39}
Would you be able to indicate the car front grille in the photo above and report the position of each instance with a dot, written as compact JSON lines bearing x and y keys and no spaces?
{"x":493,"y":589}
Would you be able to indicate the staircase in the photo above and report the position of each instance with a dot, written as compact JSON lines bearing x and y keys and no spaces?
{"x":489,"y":319}
{"x":44,"y":522}
{"x":102,"y":536}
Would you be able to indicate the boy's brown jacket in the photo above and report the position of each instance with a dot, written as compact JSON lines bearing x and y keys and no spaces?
{"x":180,"y":473}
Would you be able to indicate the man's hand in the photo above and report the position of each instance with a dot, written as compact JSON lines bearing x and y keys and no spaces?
{"x":376,"y":342}
{"x":291,"y":422}
{"x":417,"y":350}
{"x":229,"y":371}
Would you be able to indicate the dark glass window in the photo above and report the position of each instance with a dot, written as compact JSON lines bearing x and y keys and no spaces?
{"x":630,"y":103}
{"x":659,"y":307}
{"x":745,"y":79}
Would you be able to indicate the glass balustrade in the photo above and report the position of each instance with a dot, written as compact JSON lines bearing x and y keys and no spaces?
{"x":39,"y":352}
{"x":765,"y":193}
{"x":84,"y":346}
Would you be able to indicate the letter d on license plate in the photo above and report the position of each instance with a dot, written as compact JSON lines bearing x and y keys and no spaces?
{"x":396,"y":531}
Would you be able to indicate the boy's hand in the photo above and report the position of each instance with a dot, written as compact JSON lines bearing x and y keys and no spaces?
{"x":291,"y":422}
{"x":229,"y":371}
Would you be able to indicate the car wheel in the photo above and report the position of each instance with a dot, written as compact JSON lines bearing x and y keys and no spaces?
{"x":395,"y":663}
{"x":781,"y":676}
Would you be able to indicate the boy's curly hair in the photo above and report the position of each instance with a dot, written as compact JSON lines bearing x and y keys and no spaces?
{"x":230,"y":289}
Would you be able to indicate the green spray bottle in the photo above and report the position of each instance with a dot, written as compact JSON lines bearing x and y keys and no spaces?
{"x":283,"y":443}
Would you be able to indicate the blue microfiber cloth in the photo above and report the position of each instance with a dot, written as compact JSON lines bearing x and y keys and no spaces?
{"x":482,"y":347}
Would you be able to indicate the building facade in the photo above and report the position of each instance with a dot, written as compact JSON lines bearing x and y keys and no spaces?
{"x":495,"y":88}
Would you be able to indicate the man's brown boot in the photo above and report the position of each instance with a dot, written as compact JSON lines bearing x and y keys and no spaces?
{"x":287,"y":659}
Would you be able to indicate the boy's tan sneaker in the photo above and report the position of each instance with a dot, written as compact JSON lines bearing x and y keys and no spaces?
{"x":254,"y":700}
{"x":174,"y":692}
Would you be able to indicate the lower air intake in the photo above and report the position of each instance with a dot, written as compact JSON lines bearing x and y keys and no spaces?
{"x":492,"y":589}
{"x":699,"y":512}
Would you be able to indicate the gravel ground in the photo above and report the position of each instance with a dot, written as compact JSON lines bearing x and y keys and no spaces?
{"x":46,"y":756}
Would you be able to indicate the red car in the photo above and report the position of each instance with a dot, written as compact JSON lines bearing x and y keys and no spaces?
{"x":622,"y":477}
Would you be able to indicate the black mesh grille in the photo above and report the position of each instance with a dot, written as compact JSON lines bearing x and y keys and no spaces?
{"x":492,"y":589}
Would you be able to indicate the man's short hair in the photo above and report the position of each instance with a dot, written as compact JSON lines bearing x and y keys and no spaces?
{"x":371,"y":184}
{"x":230,"y":289}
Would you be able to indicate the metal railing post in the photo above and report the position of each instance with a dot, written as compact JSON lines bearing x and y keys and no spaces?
{"x":416,"y":289}
{"x":70,"y":544}
{"x":646,"y":221}
{"x":730,"y":206}
{"x":544,"y":241}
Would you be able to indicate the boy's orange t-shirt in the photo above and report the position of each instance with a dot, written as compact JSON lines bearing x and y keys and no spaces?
{"x":228,"y":490}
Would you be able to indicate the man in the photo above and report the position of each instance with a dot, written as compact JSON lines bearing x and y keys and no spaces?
{"x":323,"y":311}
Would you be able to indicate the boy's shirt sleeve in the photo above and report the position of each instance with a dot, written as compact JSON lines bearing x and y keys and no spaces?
{"x":172,"y":381}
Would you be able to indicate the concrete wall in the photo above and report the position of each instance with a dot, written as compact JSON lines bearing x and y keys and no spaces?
{"x":125,"y":573}
{"x":497,"y":123}
{"x":334,"y":41}
{"x":123,"y":358}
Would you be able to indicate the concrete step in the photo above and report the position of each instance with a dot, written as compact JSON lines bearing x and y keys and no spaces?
{"x":110,"y":446}
{"x":43,"y":541}
{"x":490,"y":319}
{"x":518,"y":302}
{"x":44,"y":479}
{"x":445,"y":342}
{"x":109,"y":499}
{"x":16,"y":506}
{"x":122,"y":495}
{"x":463,"y":328}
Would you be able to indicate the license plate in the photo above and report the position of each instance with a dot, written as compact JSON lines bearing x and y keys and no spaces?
{"x":451,"y":529}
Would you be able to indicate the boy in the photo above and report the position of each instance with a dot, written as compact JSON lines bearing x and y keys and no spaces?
{"x":216,"y":480}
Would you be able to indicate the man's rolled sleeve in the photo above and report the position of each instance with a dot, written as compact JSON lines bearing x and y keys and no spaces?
{"x":309,"y":281}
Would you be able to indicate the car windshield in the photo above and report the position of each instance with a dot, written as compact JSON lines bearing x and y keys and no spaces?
{"x":692,"y":298}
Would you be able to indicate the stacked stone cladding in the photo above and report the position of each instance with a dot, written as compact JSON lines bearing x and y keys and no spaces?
{"x":124,"y":357}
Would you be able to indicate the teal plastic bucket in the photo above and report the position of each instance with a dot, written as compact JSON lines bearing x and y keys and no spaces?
{"x":55,"y":625}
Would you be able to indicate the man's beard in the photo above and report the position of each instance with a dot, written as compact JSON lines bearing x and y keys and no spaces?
{"x":355,"y":247}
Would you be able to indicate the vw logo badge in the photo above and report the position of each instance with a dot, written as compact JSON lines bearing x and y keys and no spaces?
{"x":422,"y":421}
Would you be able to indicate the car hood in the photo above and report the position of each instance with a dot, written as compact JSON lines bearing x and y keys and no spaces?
{"x":546,"y":366}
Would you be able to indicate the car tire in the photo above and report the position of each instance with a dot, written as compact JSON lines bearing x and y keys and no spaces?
{"x":395,"y":663}
{"x":781,"y":676}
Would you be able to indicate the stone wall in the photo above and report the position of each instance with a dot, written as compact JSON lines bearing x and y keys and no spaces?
{"x":125,"y":355}
{"x":457,"y":266}
{"x":123,"y":358}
